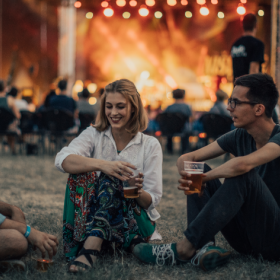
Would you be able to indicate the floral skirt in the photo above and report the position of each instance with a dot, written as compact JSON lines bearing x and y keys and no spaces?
{"x":95,"y":206}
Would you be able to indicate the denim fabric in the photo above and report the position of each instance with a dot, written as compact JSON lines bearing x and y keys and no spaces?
{"x":2,"y":218}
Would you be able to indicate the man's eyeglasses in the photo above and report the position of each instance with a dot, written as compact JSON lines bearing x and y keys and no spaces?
{"x":233,"y":102}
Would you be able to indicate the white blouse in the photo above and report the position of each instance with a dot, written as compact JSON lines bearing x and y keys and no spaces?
{"x":143,"y":151}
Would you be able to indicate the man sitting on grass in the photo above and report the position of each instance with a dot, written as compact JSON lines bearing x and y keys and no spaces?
{"x":15,"y":235}
{"x":245,"y":208}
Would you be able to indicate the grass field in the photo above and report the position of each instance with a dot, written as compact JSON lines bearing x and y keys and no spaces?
{"x":34,"y":184}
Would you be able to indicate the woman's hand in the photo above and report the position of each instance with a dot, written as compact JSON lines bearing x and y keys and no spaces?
{"x":118,"y":169}
{"x":139,"y":183}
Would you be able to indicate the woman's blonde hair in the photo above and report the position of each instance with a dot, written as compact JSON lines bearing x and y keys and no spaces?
{"x":139,"y":118}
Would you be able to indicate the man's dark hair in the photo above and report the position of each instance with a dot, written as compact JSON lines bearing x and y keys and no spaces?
{"x":2,"y":86}
{"x":249,"y":22}
{"x":262,"y":89}
{"x":178,"y":93}
{"x":84,"y":93}
{"x":13,"y":92}
{"x":62,"y":85}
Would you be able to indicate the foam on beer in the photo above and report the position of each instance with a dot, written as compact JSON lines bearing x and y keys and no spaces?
{"x":129,"y":188}
{"x":196,"y":171}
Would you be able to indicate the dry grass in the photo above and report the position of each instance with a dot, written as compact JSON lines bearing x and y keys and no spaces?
{"x":38,"y":188}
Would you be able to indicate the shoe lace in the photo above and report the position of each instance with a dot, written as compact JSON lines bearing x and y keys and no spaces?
{"x":195,"y":260}
{"x":163,"y":252}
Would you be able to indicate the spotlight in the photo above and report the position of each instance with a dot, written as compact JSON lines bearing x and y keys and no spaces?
{"x":77,"y":4}
{"x":133,"y":3}
{"x":108,"y":12}
{"x":221,"y":15}
{"x":150,"y":3}
{"x":204,"y":10}
{"x":201,"y":2}
{"x":171,"y":2}
{"x":184,"y":2}
{"x":121,"y":3}
{"x":104,"y":4}
{"x":126,"y":15}
{"x":158,"y":14}
{"x":214,"y":2}
{"x":188,"y":14}
{"x":89,"y":15}
{"x":143,"y":11}
{"x":241,"y":9}
{"x":261,"y":13}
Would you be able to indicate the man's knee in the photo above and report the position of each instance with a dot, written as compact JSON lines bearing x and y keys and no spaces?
{"x":13,"y":244}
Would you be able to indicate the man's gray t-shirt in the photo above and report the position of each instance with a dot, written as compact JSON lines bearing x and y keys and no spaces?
{"x":240,"y":143}
{"x":182,"y":108}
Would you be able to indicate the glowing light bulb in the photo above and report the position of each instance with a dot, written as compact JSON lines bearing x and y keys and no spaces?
{"x":261,"y":13}
{"x":104,"y":4}
{"x":126,"y":15}
{"x":143,"y":11}
{"x":241,"y":9}
{"x":108,"y":12}
{"x":133,"y":3}
{"x":214,"y":2}
{"x":150,"y":3}
{"x":184,"y":2}
{"x":171,"y":2}
{"x":188,"y":14}
{"x":158,"y":14}
{"x":121,"y":3}
{"x":77,"y":4}
{"x":221,"y":15}
{"x":89,"y":15}
{"x":201,"y":2}
{"x":204,"y":10}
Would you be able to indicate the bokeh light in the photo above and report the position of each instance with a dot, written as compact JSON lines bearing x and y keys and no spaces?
{"x":92,"y":87}
{"x":89,"y":15}
{"x":126,"y":15}
{"x":77,"y":4}
{"x":221,"y":15}
{"x":133,"y":3}
{"x":214,"y":2}
{"x":243,"y":1}
{"x":121,"y":3}
{"x":200,"y":2}
{"x":158,"y":14}
{"x":143,"y":11}
{"x":188,"y":14}
{"x":108,"y":12}
{"x":184,"y":2}
{"x":104,"y":4}
{"x":171,"y":2}
{"x":241,"y":9}
{"x":92,"y":100}
{"x":261,"y":13}
{"x":150,"y":3}
{"x":145,"y":75}
{"x":204,"y":11}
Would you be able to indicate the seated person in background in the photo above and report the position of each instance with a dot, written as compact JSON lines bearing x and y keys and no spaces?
{"x":8,"y":102}
{"x":245,"y":208}
{"x":15,"y":235}
{"x":220,"y":107}
{"x":21,"y":104}
{"x":83,"y":104}
{"x":64,"y":102}
{"x":179,"y":106}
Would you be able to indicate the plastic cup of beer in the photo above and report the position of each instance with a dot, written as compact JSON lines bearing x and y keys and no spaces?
{"x":130,"y":190}
{"x":196,"y":170}
{"x":42,"y":264}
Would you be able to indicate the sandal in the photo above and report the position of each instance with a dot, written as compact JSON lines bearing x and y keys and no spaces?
{"x":87,"y":253}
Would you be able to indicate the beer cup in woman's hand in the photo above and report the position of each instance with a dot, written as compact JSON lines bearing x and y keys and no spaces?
{"x":133,"y":186}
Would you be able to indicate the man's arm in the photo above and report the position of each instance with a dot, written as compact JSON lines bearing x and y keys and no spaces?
{"x":12,"y":212}
{"x":254,"y":67}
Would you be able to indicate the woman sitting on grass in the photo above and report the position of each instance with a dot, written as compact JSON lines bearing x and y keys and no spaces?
{"x":99,"y":160}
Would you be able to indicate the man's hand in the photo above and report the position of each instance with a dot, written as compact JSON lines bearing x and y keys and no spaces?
{"x":44,"y":242}
{"x":17,"y":215}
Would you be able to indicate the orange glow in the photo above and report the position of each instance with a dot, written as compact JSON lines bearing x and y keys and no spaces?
{"x":158,"y":133}
{"x":201,"y":2}
{"x":170,"y":81}
{"x":104,"y":4}
{"x":241,"y":9}
{"x":108,"y":12}
{"x":150,"y":3}
{"x":133,"y":3}
{"x":143,"y":11}
{"x":204,"y":10}
{"x":121,"y":3}
{"x":243,"y":1}
{"x":77,"y":4}
{"x":214,"y":2}
{"x":171,"y":2}
{"x":184,"y":2}
{"x":202,"y":135}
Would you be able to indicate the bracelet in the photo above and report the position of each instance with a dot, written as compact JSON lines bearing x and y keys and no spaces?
{"x":28,"y":230}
